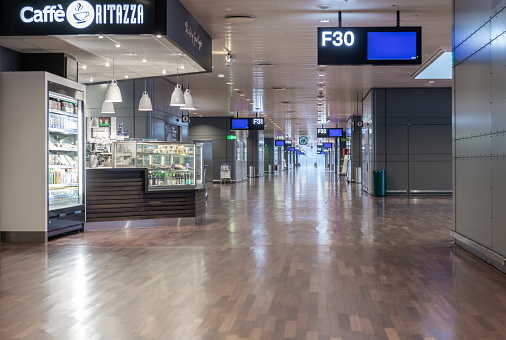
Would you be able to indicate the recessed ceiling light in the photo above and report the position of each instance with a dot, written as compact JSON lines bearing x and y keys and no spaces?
{"x":91,"y":78}
{"x":239,"y":18}
{"x":158,"y":36}
{"x":221,"y":75}
{"x":248,"y":99}
{"x":194,"y":113}
{"x":324,"y":20}
{"x":251,"y":103}
{"x":164,"y":72}
{"x":107,"y":64}
{"x":431,"y":81}
{"x":126,"y":76}
{"x":229,"y":83}
{"x":236,"y":89}
{"x":321,"y":75}
{"x":182,"y":67}
{"x":242,"y":94}
{"x":100,"y":37}
{"x":118,"y":45}
{"x":84,"y":67}
{"x":144,"y":60}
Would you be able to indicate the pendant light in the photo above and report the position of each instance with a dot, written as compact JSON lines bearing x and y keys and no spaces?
{"x":113,"y":92}
{"x":108,"y":107}
{"x":188,"y":99}
{"x":94,"y":123}
{"x":145,"y":103}
{"x":177,"y":98}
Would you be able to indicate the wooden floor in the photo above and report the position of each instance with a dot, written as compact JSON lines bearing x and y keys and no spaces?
{"x":302,"y":256}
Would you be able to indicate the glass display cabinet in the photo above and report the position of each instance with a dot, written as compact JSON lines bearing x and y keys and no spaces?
{"x":124,"y":154}
{"x":169,"y":165}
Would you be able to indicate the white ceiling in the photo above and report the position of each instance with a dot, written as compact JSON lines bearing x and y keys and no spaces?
{"x":283,"y":33}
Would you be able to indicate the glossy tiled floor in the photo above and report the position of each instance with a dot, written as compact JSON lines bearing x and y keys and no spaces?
{"x":291,"y":256}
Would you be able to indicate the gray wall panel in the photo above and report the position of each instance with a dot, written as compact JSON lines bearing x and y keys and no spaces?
{"x":473,"y":105}
{"x":430,"y":176}
{"x":498,"y":209}
{"x":396,"y":139}
{"x":397,"y":175}
{"x":498,"y":74}
{"x":430,"y":139}
{"x":473,"y":199}
{"x":471,"y":15}
{"x":498,"y":142}
{"x":473,"y":147}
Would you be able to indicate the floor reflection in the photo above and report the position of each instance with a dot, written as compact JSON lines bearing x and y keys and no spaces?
{"x":296,"y":255}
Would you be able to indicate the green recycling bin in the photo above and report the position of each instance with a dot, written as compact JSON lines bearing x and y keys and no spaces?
{"x":379,"y":178}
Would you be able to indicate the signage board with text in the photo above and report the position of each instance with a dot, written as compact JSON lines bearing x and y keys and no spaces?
{"x":369,"y":45}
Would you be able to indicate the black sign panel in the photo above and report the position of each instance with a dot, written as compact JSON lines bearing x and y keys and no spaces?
{"x":186,"y":32}
{"x":246,"y":123}
{"x":329,"y":133}
{"x":72,"y":17}
{"x":369,"y":45}
{"x":322,"y":133}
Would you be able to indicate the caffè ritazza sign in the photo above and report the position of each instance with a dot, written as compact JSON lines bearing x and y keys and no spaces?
{"x":81,"y":14}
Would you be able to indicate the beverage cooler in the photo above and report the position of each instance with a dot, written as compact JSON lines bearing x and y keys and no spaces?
{"x":65,"y":159}
{"x":42,"y":156}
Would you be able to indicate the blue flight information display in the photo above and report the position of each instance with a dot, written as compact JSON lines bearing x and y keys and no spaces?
{"x":369,"y":45}
{"x":391,"y":46}
{"x":246,"y":124}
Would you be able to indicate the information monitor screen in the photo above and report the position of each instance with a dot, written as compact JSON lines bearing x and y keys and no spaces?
{"x":336,"y":132}
{"x":239,"y":124}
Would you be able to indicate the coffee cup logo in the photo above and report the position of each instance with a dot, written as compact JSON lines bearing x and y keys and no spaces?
{"x":80,"y":14}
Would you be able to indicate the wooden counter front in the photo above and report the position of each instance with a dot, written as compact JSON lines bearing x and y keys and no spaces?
{"x":119,"y":194}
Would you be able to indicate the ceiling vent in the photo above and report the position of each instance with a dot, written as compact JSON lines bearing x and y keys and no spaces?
{"x":239,"y":18}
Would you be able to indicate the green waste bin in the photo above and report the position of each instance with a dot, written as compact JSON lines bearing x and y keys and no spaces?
{"x":379,"y":178}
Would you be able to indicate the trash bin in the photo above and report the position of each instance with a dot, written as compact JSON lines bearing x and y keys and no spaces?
{"x":251,"y":171}
{"x":379,"y":178}
{"x":270,"y":169}
{"x":358,"y":175}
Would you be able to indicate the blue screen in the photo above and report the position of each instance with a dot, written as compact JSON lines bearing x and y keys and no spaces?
{"x":335,"y":132}
{"x":291,"y":149}
{"x":240,"y":123}
{"x":391,"y":46}
{"x":327,"y":145}
{"x":297,"y":152}
{"x":279,"y":143}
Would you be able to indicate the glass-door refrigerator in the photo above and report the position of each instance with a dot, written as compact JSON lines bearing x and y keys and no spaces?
{"x":66,"y":210}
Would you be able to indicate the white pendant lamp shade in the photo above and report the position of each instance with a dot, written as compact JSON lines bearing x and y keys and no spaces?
{"x":145,"y":103}
{"x":94,"y":123}
{"x":188,"y":100}
{"x":177,"y":98}
{"x":107,"y":107}
{"x":113,"y":93}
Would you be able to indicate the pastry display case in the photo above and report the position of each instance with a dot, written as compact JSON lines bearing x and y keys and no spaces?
{"x":169,"y":165}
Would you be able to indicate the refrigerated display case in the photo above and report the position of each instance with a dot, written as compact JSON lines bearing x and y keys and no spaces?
{"x":64,"y":151}
{"x":41,"y":133}
{"x":65,"y":159}
{"x":169,"y":165}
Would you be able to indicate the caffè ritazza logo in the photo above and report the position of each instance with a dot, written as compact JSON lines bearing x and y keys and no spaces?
{"x":81,"y":14}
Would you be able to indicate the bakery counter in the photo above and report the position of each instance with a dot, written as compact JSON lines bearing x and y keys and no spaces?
{"x":121,"y":194}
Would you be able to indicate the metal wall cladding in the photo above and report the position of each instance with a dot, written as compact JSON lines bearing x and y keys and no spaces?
{"x":469,"y":15}
{"x":498,"y":211}
{"x":480,"y":122}
{"x":473,"y":199}
{"x":472,"y":98}
{"x":473,"y":147}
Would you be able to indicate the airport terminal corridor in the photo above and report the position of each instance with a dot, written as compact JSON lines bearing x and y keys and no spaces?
{"x":297,"y":255}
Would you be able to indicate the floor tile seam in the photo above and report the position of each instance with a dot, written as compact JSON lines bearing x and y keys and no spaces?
{"x":220,"y":248}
